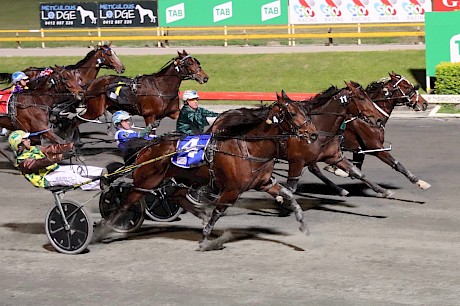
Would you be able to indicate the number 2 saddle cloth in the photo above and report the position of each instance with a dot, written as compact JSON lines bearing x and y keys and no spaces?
{"x":5,"y":97}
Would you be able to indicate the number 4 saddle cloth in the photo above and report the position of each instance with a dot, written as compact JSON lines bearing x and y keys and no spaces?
{"x":190,"y":151}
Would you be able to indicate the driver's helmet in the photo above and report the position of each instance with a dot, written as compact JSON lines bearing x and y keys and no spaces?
{"x":119,"y":116}
{"x":16,"y":138}
{"x":189,"y":94}
{"x":18,"y":76}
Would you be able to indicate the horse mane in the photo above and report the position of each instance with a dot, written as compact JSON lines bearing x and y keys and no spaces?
{"x":377,"y":85}
{"x":38,"y":82}
{"x":82,"y":61}
{"x":322,"y":97}
{"x":237,"y":122}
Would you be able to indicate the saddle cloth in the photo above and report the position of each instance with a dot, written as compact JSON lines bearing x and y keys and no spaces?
{"x":5,"y":97}
{"x":190,"y":151}
{"x":121,"y":93}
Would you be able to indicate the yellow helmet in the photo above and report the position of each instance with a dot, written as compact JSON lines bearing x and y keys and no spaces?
{"x":16,"y":138}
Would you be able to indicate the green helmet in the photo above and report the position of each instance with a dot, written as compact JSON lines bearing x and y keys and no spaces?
{"x":16,"y":138}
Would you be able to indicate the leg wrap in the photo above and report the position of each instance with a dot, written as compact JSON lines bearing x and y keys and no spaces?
{"x":286,"y":194}
{"x":400,"y":168}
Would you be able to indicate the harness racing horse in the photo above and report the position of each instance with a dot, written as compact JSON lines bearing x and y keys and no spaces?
{"x":101,"y":57}
{"x":361,"y":137}
{"x":328,"y":111}
{"x":237,"y":161}
{"x":153,"y":96}
{"x":30,"y":110}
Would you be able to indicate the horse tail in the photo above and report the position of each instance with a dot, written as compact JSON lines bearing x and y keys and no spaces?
{"x":5,"y":77}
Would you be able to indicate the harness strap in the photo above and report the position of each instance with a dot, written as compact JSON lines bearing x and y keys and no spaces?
{"x":381,"y":110}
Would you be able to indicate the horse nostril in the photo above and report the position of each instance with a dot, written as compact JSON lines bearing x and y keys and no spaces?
{"x":313,"y":136}
{"x":205,"y":79}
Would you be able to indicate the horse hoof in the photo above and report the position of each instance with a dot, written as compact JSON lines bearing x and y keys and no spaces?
{"x":330,"y":168}
{"x":340,"y":173}
{"x":202,"y":245}
{"x":343,"y":193}
{"x":304,"y":229}
{"x":387,"y":194}
{"x":423,"y":184}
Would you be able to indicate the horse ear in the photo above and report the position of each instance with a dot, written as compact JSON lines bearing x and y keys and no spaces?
{"x":109,"y":43}
{"x":284,"y":95}
{"x":184,"y":52}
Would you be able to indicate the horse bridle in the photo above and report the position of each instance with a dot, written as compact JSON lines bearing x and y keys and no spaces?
{"x":361,"y":116}
{"x":182,"y":67}
{"x":293,"y":127}
{"x":101,"y":62}
{"x":408,"y":96}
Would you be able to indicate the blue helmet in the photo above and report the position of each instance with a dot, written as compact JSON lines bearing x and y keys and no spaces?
{"x":18,"y":76}
{"x":119,"y":116}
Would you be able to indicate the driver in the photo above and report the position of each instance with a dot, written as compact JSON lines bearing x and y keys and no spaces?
{"x":192,"y":118}
{"x":38,"y":164}
{"x":121,"y":121}
{"x":19,"y":80}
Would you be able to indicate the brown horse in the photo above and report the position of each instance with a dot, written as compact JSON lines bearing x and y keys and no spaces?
{"x":153,"y":96}
{"x":240,"y":160}
{"x":360,"y":137}
{"x":30,"y":109}
{"x":101,"y":57}
{"x":328,"y":111}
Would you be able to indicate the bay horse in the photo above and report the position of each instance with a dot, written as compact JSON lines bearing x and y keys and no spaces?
{"x":30,"y":110}
{"x":153,"y":96}
{"x":240,"y":160}
{"x":360,"y":137}
{"x":328,"y":111}
{"x":101,"y":57}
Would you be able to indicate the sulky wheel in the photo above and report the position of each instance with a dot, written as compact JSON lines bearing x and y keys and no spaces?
{"x":129,"y":221}
{"x":161,"y":208}
{"x":74,"y":237}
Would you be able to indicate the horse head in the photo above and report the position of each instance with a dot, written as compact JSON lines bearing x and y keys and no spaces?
{"x":189,"y":68}
{"x":107,"y":58}
{"x":65,"y":80}
{"x":360,"y":105}
{"x":401,"y":88}
{"x":292,"y":118}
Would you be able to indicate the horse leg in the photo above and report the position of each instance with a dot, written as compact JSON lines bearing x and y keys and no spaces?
{"x":179,"y":197}
{"x":205,"y":244}
{"x":313,"y":168}
{"x":389,"y":159}
{"x":354,"y":172}
{"x":226,"y":199}
{"x":358,"y":160}
{"x":53,"y":137}
{"x":294,"y":174}
{"x":282,"y":194}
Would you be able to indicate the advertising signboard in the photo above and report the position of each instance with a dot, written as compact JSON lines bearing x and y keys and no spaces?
{"x":442,"y":38}
{"x":177,"y":13}
{"x":446,"y":5}
{"x":68,"y":15}
{"x":99,"y":15}
{"x":357,"y":11}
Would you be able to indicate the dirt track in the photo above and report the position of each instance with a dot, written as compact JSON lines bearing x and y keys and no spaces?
{"x":362,"y":250}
